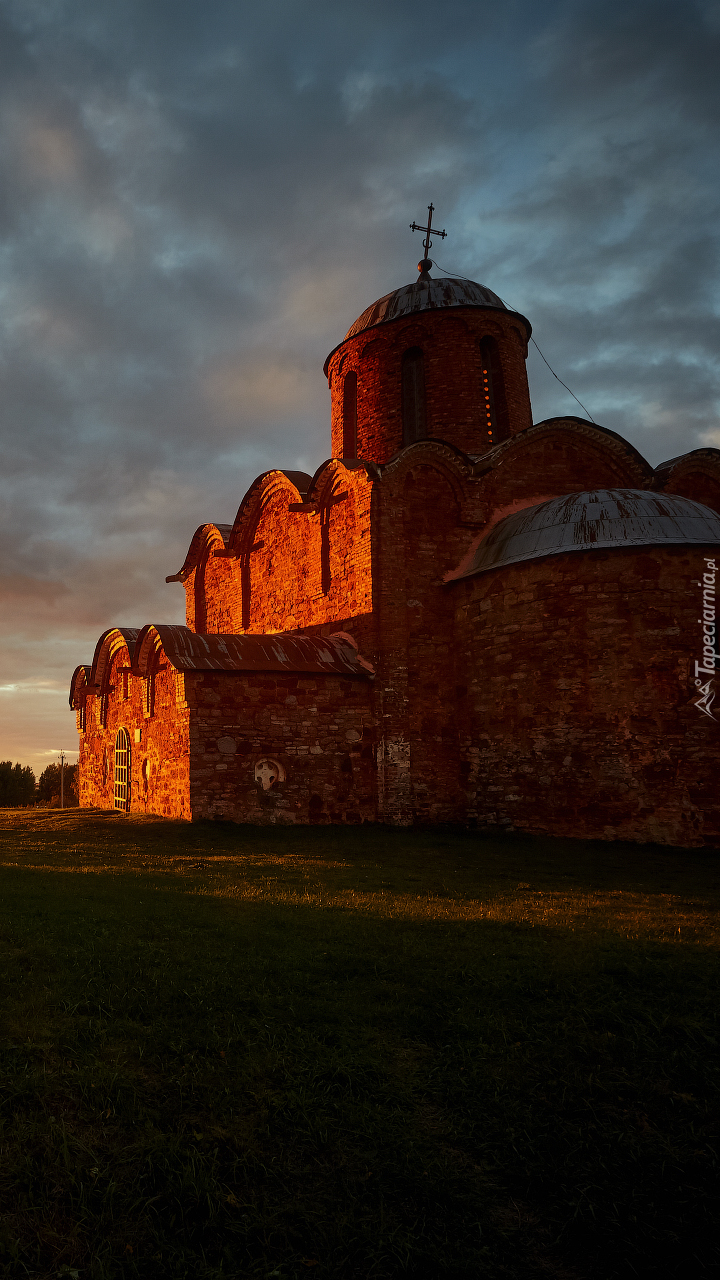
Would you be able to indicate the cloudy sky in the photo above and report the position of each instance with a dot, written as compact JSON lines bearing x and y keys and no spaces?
{"x":198,"y":197}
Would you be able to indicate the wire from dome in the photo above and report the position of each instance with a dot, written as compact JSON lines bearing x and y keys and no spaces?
{"x":456,"y":276}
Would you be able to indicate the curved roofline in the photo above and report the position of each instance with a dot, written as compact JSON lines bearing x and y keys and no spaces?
{"x":707,"y":454}
{"x":567,"y":422}
{"x":621,"y":518}
{"x":415,"y":315}
{"x":280,"y":652}
{"x":262,"y":487}
{"x":82,"y":672}
{"x":704,"y":462}
{"x":201,"y":537}
{"x":125,"y":636}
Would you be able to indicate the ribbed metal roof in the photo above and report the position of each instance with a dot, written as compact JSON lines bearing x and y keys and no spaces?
{"x":425,"y":294}
{"x":188,"y":651}
{"x":590,"y":521}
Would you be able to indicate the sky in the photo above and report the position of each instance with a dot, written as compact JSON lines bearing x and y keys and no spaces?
{"x":198,"y":197}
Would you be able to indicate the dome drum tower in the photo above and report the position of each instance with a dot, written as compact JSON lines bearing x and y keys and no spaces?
{"x":443,"y":359}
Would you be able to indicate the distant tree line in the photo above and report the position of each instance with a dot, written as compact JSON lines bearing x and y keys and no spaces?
{"x":19,"y":787}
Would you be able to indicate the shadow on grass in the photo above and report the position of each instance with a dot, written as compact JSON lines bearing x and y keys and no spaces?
{"x":218,"y":1064}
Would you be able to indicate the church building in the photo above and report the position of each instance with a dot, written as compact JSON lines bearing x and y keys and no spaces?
{"x":463,"y":617}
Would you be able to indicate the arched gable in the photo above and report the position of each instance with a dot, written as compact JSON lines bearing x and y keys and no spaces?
{"x":110,"y":643}
{"x":587,"y":440}
{"x":693,"y":475}
{"x":449,"y":462}
{"x":261,"y":492}
{"x":341,"y":493}
{"x":549,"y":459}
{"x":209,"y":541}
{"x":271,"y":548}
{"x":80,"y":687}
{"x":206,"y":538}
{"x":148,"y":650}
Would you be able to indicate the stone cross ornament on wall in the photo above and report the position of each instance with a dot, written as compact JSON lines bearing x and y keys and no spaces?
{"x":268,"y":772}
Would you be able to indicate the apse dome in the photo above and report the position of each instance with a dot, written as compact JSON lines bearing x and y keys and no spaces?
{"x":426,"y":294}
{"x":602,"y":518}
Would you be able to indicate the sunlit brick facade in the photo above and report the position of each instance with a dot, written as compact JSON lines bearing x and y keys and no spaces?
{"x":407,"y":679}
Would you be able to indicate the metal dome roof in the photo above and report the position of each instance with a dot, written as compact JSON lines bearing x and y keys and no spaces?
{"x":426,"y":294}
{"x":591,"y":521}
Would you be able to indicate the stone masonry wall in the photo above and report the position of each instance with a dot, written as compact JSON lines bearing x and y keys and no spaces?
{"x":301,"y":569}
{"x":159,"y":759}
{"x":579,"y":718}
{"x":319,"y":730}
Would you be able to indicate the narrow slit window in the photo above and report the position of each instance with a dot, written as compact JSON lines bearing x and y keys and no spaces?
{"x":149,"y":695}
{"x":350,"y":415}
{"x":413,"y":396}
{"x":493,"y":408}
{"x":122,"y":770}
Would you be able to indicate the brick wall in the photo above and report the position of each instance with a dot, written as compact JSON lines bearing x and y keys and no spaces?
{"x":450,"y":342}
{"x":290,"y":569}
{"x":159,"y":761}
{"x":319,"y":729}
{"x":579,"y":719}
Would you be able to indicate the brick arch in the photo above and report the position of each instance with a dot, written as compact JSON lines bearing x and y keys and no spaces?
{"x":79,"y":686}
{"x":599,"y":454}
{"x":260,"y":493}
{"x":148,"y":650}
{"x":454,"y":466}
{"x":693,"y":475}
{"x":113,"y":643}
{"x":205,"y":536}
{"x":267,"y":502}
{"x":369,"y":349}
{"x":412,"y":335}
{"x":110,"y":643}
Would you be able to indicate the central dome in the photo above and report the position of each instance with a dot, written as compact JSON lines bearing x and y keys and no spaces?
{"x":426,"y":294}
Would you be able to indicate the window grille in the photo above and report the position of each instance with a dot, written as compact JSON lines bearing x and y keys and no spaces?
{"x":122,"y":770}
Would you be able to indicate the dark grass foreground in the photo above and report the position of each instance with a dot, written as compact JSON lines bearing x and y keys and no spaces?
{"x":354,"y":1053}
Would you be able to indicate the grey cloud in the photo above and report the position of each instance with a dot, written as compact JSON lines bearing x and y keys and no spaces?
{"x":197,"y":201}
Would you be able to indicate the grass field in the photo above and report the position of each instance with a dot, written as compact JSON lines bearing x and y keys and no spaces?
{"x":354,"y":1053}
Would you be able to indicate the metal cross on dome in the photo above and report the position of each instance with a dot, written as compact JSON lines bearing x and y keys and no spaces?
{"x":427,"y":244}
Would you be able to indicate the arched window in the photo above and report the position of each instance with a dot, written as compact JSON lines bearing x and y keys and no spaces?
{"x":413,"y":396}
{"x":494,"y":417}
{"x":122,"y":770}
{"x":350,"y":415}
